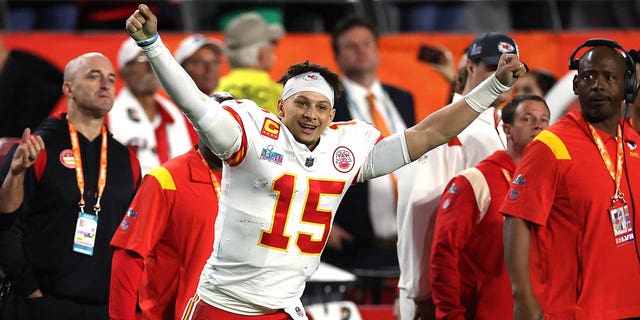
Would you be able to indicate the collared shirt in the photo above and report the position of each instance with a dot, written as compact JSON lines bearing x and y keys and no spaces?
{"x":564,"y":189}
{"x":382,"y":202}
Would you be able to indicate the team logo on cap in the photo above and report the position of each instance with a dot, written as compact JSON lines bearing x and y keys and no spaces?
{"x":505,"y":47}
{"x":311,"y":77}
{"x":343,"y":159}
{"x":67,"y":159}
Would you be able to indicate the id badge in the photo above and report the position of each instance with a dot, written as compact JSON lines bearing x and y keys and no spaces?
{"x":621,"y":223}
{"x":85,"y":236}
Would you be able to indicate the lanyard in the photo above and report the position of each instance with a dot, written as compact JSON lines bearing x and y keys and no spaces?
{"x":214,"y":180}
{"x":507,"y":175}
{"x":616,"y":173}
{"x":102,"y":177}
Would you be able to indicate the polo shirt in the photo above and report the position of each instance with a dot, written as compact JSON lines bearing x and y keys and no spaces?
{"x":564,"y":189}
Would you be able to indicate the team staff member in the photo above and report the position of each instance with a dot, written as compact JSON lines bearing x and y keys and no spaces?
{"x":69,"y":186}
{"x":295,"y":168}
{"x":468,"y":276}
{"x":418,"y":203}
{"x":570,"y":206}
{"x":166,"y":237}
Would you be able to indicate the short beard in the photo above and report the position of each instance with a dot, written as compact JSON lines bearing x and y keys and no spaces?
{"x":595,"y":115}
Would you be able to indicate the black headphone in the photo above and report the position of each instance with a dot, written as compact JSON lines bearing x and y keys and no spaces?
{"x":630,"y":80}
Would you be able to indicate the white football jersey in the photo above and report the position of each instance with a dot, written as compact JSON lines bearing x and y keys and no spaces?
{"x":277,"y":204}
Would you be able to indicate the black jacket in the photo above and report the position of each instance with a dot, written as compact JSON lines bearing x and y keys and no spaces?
{"x":44,"y":225}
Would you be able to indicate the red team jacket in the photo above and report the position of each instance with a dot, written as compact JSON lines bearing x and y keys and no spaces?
{"x":468,"y":274}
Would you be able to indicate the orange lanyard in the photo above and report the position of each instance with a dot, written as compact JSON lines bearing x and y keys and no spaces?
{"x":102,"y":178}
{"x":507,"y":175}
{"x":214,"y":180}
{"x":616,"y":173}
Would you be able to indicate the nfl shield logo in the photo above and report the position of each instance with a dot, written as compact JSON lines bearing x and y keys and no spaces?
{"x":309,"y":162}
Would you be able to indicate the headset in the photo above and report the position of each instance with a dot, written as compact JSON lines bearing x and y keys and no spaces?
{"x":630,"y":80}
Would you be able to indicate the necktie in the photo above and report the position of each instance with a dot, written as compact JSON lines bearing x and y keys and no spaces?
{"x":381,"y":125}
{"x":378,"y":120}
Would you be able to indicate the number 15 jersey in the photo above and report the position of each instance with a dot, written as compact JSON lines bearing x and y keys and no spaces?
{"x":276,"y":207}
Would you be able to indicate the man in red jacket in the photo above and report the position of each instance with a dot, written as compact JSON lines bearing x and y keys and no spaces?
{"x":468,"y":275}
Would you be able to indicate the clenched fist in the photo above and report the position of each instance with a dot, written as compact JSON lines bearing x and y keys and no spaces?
{"x":509,"y":69}
{"x":142,"y":24}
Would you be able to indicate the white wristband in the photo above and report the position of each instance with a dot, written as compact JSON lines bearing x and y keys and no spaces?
{"x":154,"y":49}
{"x":483,"y":95}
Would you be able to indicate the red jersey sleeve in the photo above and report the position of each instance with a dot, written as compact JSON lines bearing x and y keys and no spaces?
{"x":455,"y":218}
{"x":126,"y":272}
{"x":147,"y":217}
{"x":533,"y":188}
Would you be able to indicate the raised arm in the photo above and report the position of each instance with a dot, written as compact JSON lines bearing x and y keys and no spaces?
{"x":441,"y":126}
{"x":219,"y":130}
{"x":142,"y":25}
{"x":444,"y":124}
{"x":12,"y":190}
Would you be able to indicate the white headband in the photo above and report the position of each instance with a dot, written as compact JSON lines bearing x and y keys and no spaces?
{"x":309,"y":81}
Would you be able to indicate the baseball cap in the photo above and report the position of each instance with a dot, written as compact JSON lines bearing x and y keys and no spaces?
{"x":129,"y":50}
{"x":489,"y":46}
{"x":250,"y":28}
{"x":193,"y":43}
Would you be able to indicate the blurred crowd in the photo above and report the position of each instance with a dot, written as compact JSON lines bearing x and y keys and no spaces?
{"x":320,"y":16}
